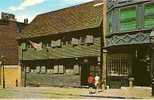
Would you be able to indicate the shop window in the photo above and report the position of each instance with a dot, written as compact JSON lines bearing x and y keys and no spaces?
{"x":128,"y":21}
{"x":118,"y":65}
{"x":149,"y":15}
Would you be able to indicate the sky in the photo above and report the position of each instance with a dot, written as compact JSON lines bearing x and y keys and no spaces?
{"x":30,"y":8}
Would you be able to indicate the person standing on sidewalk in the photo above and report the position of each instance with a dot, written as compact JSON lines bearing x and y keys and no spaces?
{"x":97,"y":79}
{"x":91,"y":82}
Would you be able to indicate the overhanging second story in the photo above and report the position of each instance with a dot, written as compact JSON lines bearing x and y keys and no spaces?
{"x":130,"y":20}
{"x":66,"y":33}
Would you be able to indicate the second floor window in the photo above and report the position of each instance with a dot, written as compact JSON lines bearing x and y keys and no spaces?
{"x":149,"y":15}
{"x":128,"y":18}
{"x":89,"y":39}
{"x":56,"y":43}
{"x":75,"y":41}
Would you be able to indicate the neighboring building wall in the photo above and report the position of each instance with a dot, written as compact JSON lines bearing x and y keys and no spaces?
{"x":9,"y":31}
{"x":129,"y":25}
{"x":12,"y":76}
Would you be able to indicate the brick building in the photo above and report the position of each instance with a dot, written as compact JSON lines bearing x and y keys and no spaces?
{"x":9,"y":30}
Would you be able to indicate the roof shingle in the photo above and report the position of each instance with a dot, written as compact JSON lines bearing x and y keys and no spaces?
{"x":74,"y":18}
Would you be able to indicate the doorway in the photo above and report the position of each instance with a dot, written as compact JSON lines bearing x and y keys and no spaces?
{"x":85,"y":70}
{"x":141,"y":68}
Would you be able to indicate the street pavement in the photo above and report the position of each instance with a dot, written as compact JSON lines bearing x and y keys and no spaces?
{"x":75,"y":93}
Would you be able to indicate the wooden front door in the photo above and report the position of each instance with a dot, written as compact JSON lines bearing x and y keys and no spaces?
{"x":85,"y":70}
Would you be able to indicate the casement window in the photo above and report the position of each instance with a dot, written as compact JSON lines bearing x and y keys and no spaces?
{"x":75,"y":41}
{"x":56,"y":69}
{"x":23,"y":46}
{"x":38,"y":69}
{"x":82,"y":40}
{"x":53,"y":44}
{"x":149,"y":15}
{"x":56,"y":43}
{"x":89,"y":39}
{"x":128,"y":18}
{"x":76,"y":69}
{"x":43,"y":69}
{"x":61,"y":69}
{"x":27,"y":69}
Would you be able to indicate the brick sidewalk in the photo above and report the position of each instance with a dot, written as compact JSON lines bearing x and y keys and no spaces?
{"x":125,"y":93}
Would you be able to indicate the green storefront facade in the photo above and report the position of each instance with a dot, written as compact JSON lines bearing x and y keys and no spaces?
{"x":130,"y":23}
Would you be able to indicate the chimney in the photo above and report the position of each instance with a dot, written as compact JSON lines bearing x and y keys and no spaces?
{"x":7,"y":16}
{"x":26,"y":20}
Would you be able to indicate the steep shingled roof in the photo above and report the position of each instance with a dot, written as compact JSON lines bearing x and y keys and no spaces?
{"x":74,"y":18}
